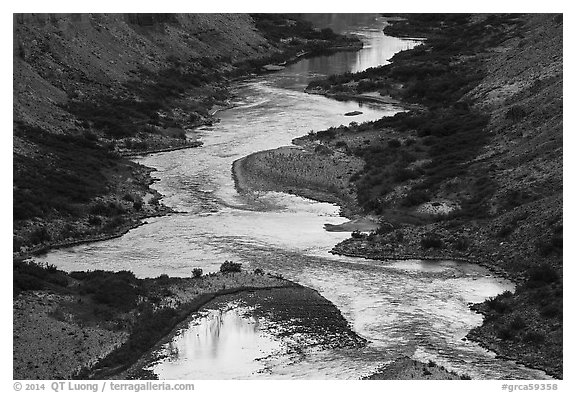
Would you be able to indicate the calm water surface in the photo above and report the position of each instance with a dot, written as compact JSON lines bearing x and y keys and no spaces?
{"x":414,"y":308}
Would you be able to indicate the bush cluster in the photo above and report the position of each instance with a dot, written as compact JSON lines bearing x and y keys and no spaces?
{"x":450,"y":132}
{"x":431,"y":240}
{"x":39,"y":188}
{"x":28,"y":276}
{"x":118,"y":290}
{"x":230,"y":267}
{"x":541,"y":275}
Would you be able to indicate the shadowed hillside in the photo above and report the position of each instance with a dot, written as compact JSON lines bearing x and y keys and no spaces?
{"x":474,"y":170}
{"x":90,"y":89}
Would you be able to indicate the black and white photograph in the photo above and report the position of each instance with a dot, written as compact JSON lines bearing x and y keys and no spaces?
{"x":287,"y":196}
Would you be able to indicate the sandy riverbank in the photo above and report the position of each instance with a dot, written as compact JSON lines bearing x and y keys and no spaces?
{"x":320,"y":176}
{"x":408,"y":369}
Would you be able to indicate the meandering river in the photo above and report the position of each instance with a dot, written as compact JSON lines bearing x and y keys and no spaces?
{"x":413,"y":308}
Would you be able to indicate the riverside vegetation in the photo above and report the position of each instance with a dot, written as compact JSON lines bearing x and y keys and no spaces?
{"x":104,"y":322}
{"x":473,"y":171}
{"x":92,"y":89}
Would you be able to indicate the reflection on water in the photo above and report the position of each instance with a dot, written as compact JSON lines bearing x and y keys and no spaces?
{"x":378,"y":49}
{"x":223,"y":344}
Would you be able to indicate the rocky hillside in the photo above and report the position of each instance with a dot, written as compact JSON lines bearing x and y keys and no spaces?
{"x":60,"y":57}
{"x":90,"y":86}
{"x":474,"y":170}
{"x":90,"y":89}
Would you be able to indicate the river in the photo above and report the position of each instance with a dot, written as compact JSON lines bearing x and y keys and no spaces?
{"x":414,"y":308}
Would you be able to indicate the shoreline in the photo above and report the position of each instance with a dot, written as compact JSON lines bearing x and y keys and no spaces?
{"x":363,"y":98}
{"x":243,"y":183}
{"x":134,"y":154}
{"x":489,"y":345}
{"x":481,"y":258}
{"x":95,"y":239}
{"x":39,"y":250}
{"x":486,"y":342}
{"x":63,"y":314}
{"x":246,"y":180}
{"x":135,"y":368}
{"x":278,"y":305}
{"x":120,"y":231}
{"x":405,"y":257}
{"x":71,"y":352}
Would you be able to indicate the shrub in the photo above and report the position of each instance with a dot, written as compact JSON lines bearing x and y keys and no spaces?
{"x":431,"y":240}
{"x":394,"y":143}
{"x":196,"y":272}
{"x":116,"y":293}
{"x":323,"y":149}
{"x":32,"y":276}
{"x":558,"y":19}
{"x":118,"y":290}
{"x":506,"y":333}
{"x":91,"y":136}
{"x":230,"y":267}
{"x":461,"y":244}
{"x":497,"y":304}
{"x":541,"y":275}
{"x":58,"y":314}
{"x":416,"y":197}
{"x":534,"y":337}
{"x":357,"y":234}
{"x":40,"y":235}
{"x":94,"y":220}
{"x":163,"y":278}
{"x":553,"y":245}
{"x":259,"y":271}
{"x":403,"y":174}
{"x":17,"y":243}
{"x":504,"y":231}
{"x":26,"y":282}
{"x":515,"y":198}
{"x":344,"y":146}
{"x":39,"y":189}
{"x":516,"y":113}
{"x":550,"y":311}
{"x":384,"y":228}
{"x":517,"y":323}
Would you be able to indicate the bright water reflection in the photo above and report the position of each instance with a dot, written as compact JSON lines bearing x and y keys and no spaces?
{"x":222,"y":344}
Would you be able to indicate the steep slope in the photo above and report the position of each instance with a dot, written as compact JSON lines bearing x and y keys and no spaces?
{"x":474,"y":172}
{"x":86,"y":87}
{"x":90,"y":89}
{"x":58,"y":56}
